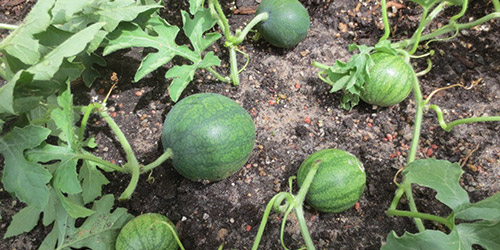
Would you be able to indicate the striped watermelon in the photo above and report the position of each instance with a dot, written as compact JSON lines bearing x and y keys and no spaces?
{"x":147,"y":232}
{"x":210,"y":135}
{"x":339,"y":182}
{"x":391,"y":80}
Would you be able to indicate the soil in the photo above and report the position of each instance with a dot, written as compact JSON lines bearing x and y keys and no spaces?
{"x":295,"y":115}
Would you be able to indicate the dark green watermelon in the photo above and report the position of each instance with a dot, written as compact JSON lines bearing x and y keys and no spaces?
{"x":287,"y":24}
{"x":211,"y":136}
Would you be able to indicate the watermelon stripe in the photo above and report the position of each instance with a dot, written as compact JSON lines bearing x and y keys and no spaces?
{"x":339,"y":182}
{"x":146,"y":232}
{"x":391,"y":80}
{"x":210,"y":135}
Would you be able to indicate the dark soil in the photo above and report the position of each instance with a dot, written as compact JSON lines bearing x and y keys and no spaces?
{"x":295,"y":115}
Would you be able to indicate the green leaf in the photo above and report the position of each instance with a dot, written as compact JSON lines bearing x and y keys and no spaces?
{"x":89,"y":60}
{"x":131,"y":35}
{"x":487,"y":209}
{"x":92,"y":181}
{"x":194,"y":29}
{"x":7,"y":92}
{"x":64,"y":119}
{"x":442,"y":176}
{"x":65,"y":10}
{"x":184,"y":74}
{"x":49,"y":65}
{"x":24,"y":221}
{"x":98,"y":231}
{"x":350,"y":77}
{"x":38,"y":89}
{"x":163,"y":40}
{"x":27,"y":180}
{"x":93,"y":11}
{"x":195,"y":5}
{"x":429,"y":239}
{"x":65,"y":175}
{"x":20,"y":43}
{"x":483,"y":233}
{"x":73,"y":206}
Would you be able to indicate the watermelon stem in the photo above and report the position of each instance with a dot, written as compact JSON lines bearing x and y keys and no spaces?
{"x":163,"y":157}
{"x":265,"y":218}
{"x":442,"y":220}
{"x":173,"y":231}
{"x":405,"y":186}
{"x":292,"y":203}
{"x":385,"y":20}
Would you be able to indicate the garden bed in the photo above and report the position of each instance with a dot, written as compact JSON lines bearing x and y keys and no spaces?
{"x":295,"y":115}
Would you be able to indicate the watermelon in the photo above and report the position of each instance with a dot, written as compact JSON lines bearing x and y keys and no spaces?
{"x":147,"y":232}
{"x":210,"y":135}
{"x":390,"y":82}
{"x":339,"y":182}
{"x":287,"y":24}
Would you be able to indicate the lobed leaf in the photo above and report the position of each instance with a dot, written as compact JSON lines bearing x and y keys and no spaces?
{"x":442,"y":176}
{"x":350,"y":77}
{"x":49,"y":65}
{"x":487,"y":209}
{"x":483,"y":233}
{"x":184,"y":74}
{"x":20,"y":43}
{"x":26,"y":180}
{"x":163,"y":40}
{"x":24,"y":221}
{"x":92,"y":181}
{"x":131,"y":35}
{"x":429,"y":239}
{"x":195,"y":5}
{"x":98,"y":231}
{"x":195,"y":28}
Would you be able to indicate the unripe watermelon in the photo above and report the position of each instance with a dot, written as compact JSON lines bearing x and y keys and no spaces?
{"x":287,"y":24}
{"x":339,"y":182}
{"x":391,"y":80}
{"x":147,"y":232}
{"x":210,"y":135}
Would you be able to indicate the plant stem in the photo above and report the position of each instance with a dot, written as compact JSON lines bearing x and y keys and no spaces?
{"x":132,"y":165}
{"x":235,"y":78}
{"x":165,"y":156}
{"x":424,"y":216}
{"x":217,"y":75}
{"x":98,"y":160}
{"x":449,"y":126}
{"x":301,"y":195}
{"x":418,"y":120}
{"x":256,"y":20}
{"x":320,"y":65}
{"x":221,"y":17}
{"x":448,"y":28}
{"x":496,"y":5}
{"x":385,"y":20}
{"x":6,"y":26}
{"x":461,"y":13}
{"x":265,"y":217}
{"x":84,"y":122}
{"x":405,"y":187}
{"x":426,"y":19}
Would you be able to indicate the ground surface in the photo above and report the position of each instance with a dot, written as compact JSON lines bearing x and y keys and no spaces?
{"x":295,"y":115}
